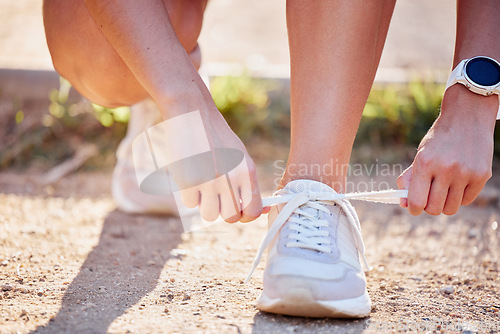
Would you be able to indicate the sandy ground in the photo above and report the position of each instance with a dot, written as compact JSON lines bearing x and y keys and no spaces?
{"x":71,"y":262}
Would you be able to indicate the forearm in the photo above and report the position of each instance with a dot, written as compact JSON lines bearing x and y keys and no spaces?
{"x":477,"y":35}
{"x":146,"y":41}
{"x":478,"y":32}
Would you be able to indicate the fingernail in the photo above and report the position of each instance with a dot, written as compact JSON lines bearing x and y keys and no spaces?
{"x":403,"y":203}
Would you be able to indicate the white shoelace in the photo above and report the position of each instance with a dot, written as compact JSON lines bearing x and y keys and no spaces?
{"x":311,"y":235}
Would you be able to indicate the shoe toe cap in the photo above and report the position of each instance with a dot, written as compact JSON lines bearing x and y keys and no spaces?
{"x":350,"y":284}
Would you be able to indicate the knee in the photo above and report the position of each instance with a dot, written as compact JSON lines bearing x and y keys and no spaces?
{"x":187,"y":18}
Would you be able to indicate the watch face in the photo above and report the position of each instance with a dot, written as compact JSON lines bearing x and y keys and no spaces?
{"x":483,"y":71}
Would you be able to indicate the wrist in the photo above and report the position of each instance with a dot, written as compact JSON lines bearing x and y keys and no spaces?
{"x":462,"y":105}
{"x":183,"y":96}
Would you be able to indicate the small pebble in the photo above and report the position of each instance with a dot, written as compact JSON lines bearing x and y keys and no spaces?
{"x":472,"y":233}
{"x":5,"y":262}
{"x":178,"y":252}
{"x":7,"y":287}
{"x":447,"y":290}
{"x":24,"y":290}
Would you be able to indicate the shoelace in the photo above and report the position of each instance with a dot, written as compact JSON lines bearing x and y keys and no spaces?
{"x":312,"y":237}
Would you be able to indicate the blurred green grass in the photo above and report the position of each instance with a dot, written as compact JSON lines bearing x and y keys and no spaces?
{"x":400,"y":114}
{"x":396,"y":117}
{"x":394,"y":114}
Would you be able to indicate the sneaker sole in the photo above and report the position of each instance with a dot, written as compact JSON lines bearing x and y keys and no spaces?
{"x":146,"y":204}
{"x":301,"y":303}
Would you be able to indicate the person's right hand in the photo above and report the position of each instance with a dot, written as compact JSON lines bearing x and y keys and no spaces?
{"x":218,"y":185}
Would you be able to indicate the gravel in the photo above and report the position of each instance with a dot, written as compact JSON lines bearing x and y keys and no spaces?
{"x":85,"y":267}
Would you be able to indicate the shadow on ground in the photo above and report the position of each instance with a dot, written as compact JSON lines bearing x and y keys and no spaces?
{"x":267,"y":322}
{"x":118,"y":272}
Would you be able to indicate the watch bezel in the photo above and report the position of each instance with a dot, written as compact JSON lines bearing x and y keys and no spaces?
{"x":475,"y":84}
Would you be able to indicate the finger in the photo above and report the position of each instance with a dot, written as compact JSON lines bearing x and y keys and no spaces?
{"x":418,"y":191}
{"x":437,"y":196}
{"x":244,"y":181}
{"x":471,"y":192}
{"x":454,"y":199}
{"x":266,"y":210}
{"x":403,"y":182}
{"x":230,"y":205}
{"x":209,"y":204}
{"x":251,"y":203}
{"x":191,"y":197}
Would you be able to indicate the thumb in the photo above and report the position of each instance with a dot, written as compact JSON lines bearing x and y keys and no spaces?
{"x":403,"y":182}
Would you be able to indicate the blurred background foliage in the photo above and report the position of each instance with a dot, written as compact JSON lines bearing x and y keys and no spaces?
{"x":397,"y":114}
{"x":253,"y":107}
{"x":396,"y":117}
{"x":42,"y":140}
{"x":400,"y":114}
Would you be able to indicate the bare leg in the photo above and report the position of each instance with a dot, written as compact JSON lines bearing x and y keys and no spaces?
{"x":83,"y":54}
{"x":120,"y":52}
{"x":124,"y":187}
{"x":335,"y":48}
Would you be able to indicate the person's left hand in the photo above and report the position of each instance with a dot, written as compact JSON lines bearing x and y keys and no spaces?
{"x":454,"y":159}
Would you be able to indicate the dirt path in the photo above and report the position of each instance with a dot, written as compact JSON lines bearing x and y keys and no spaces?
{"x":70,"y":262}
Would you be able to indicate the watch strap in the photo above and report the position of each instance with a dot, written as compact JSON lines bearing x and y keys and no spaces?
{"x":457,"y":74}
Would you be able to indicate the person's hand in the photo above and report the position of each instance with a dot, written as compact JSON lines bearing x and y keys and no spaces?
{"x":219,"y":176}
{"x":454,"y":159}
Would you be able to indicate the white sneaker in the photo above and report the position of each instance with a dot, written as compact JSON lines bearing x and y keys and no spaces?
{"x":313,"y":267}
{"x":124,"y":187}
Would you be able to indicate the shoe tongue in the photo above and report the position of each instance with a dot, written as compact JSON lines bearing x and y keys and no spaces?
{"x":308,"y":186}
{"x":300,"y":186}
